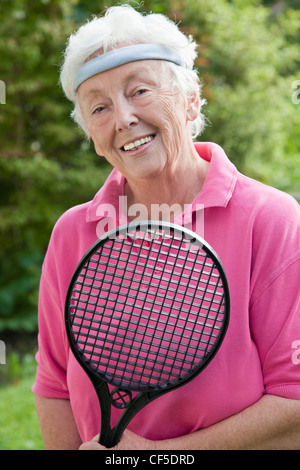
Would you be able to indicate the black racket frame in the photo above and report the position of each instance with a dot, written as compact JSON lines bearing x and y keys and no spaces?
{"x":109,"y":437}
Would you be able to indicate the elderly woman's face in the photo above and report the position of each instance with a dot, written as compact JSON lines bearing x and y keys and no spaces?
{"x":135,"y":120}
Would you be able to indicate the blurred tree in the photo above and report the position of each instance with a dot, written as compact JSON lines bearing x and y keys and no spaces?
{"x":248,"y":63}
{"x":279,"y":5}
{"x":45,"y":165}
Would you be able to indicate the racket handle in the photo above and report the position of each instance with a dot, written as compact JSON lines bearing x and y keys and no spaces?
{"x":112,"y":438}
{"x":106,"y":433}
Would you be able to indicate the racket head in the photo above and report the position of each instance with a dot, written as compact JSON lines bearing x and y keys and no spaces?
{"x":147,"y":307}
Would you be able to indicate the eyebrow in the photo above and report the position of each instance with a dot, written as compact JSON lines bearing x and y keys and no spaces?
{"x":92,"y":92}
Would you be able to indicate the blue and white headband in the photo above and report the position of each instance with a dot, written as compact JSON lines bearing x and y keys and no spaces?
{"x":124,"y":55}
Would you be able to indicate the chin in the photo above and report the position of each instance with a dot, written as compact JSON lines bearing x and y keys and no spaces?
{"x":152,"y":171}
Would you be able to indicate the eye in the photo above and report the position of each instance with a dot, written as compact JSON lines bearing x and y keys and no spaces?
{"x":98,"y":110}
{"x":141,"y":91}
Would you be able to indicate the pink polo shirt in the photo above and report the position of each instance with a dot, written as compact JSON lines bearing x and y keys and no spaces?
{"x":255,"y":230}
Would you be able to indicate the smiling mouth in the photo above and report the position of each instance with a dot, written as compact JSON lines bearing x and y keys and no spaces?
{"x":138,"y":143}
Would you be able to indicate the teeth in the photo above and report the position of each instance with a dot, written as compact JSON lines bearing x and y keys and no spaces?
{"x":137,"y":143}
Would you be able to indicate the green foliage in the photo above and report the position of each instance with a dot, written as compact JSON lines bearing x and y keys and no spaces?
{"x":45,"y":165}
{"x":248,"y":59}
{"x":19,"y":425}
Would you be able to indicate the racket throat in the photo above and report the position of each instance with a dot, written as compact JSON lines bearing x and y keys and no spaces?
{"x":106,"y":433}
{"x":111,"y":437}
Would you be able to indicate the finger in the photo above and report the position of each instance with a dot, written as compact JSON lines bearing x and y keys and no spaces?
{"x":92,"y":445}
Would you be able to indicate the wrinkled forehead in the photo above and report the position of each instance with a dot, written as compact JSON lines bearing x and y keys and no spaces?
{"x":124,"y":55}
{"x":144,"y":72}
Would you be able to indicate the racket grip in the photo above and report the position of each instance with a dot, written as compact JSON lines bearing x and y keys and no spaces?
{"x":112,"y":438}
{"x":106,"y":433}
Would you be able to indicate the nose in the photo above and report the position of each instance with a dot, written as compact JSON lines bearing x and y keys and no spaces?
{"x":125,"y":115}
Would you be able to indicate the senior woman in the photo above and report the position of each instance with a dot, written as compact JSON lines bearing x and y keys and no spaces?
{"x":137,"y":97}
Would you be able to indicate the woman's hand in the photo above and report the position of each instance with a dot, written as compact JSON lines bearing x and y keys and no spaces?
{"x":128,"y":441}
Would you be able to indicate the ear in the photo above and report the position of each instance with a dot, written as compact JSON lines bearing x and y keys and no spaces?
{"x":193,"y":106}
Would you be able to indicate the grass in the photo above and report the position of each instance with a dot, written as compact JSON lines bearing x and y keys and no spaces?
{"x":19,"y":426}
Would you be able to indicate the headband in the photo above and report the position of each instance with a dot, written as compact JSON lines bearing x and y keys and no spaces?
{"x":123,"y":55}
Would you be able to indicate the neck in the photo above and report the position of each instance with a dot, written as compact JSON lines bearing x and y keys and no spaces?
{"x":164,"y":197}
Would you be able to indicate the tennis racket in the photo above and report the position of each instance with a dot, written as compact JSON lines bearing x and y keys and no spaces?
{"x":147,"y":309}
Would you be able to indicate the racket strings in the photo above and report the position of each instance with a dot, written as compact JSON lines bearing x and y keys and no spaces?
{"x":113,"y":274}
{"x":145,"y":317}
{"x":165,"y":330}
{"x":127,"y":359}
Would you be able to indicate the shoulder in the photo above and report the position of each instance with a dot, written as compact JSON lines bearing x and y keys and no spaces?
{"x":71,"y":218}
{"x":70,"y":226}
{"x":266,"y":206}
{"x":268,"y":223}
{"x":71,"y":237}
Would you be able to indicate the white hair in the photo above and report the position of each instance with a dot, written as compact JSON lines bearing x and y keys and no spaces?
{"x":123,"y":25}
